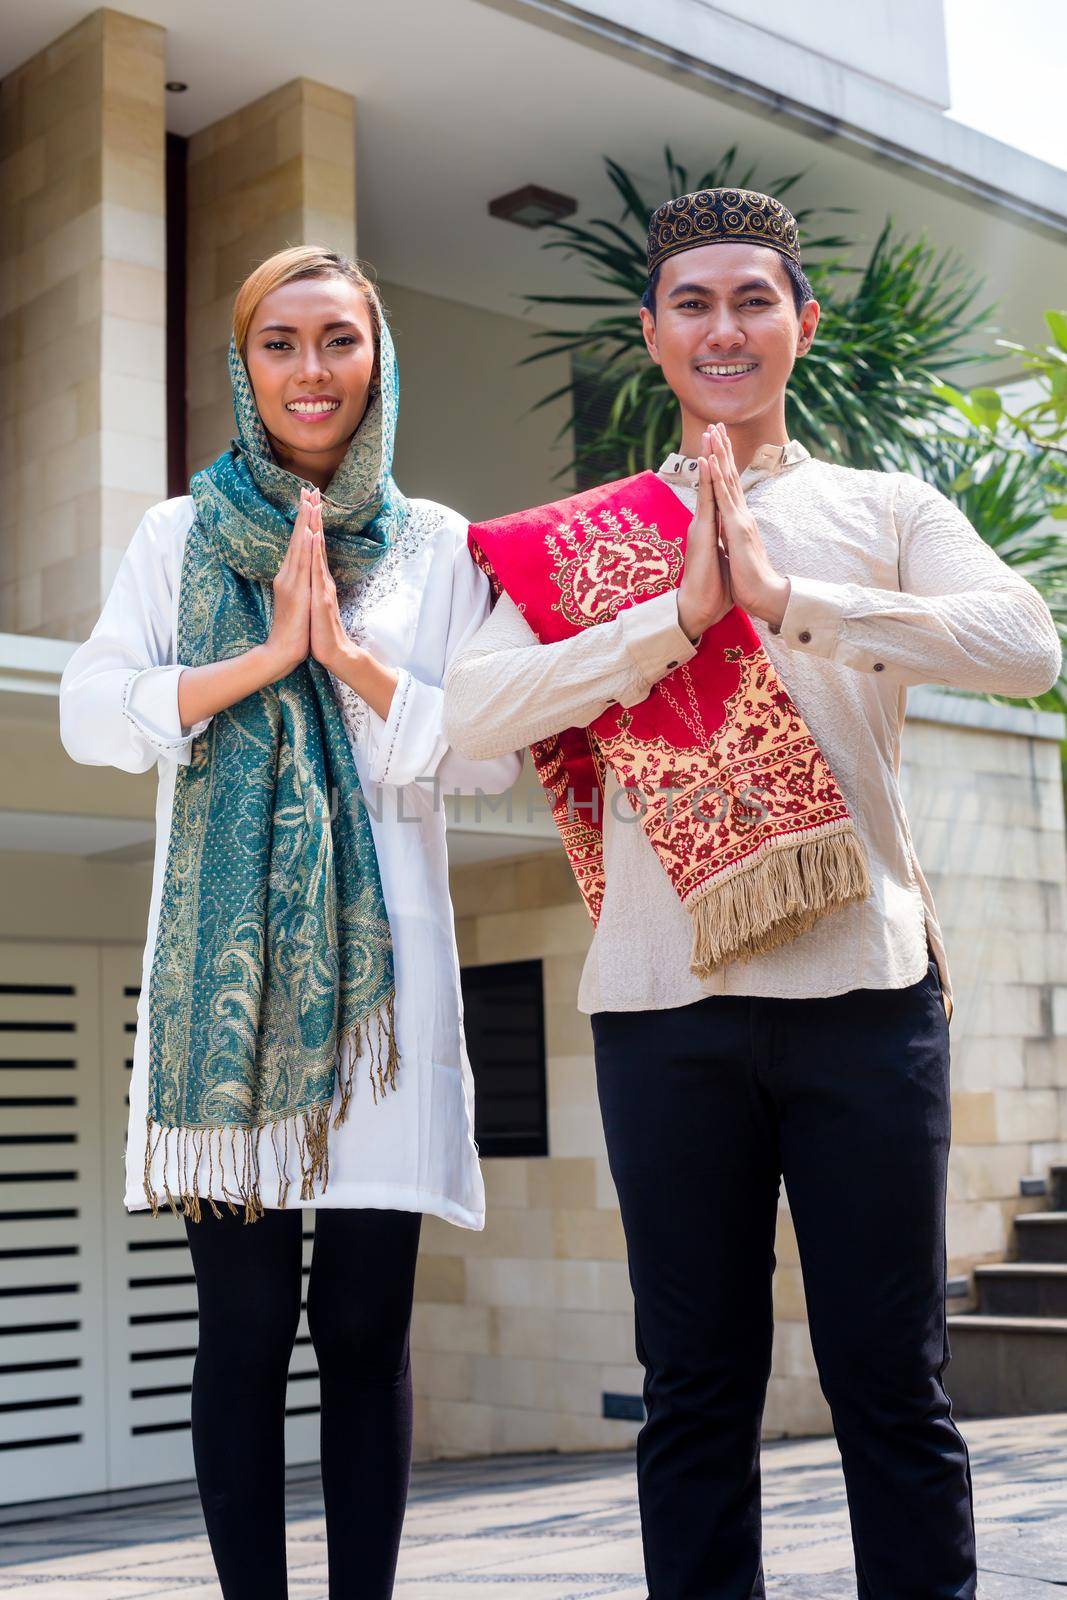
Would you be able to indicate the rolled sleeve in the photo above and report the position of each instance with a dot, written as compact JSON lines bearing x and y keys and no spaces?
{"x":150,"y":702}
{"x":813,"y":616}
{"x":961,"y":617}
{"x":655,"y":640}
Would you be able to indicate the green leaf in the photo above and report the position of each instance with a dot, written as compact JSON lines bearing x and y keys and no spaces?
{"x":987,"y":403}
{"x":1057,"y":323}
{"x":953,"y":397}
{"x":882,"y":388}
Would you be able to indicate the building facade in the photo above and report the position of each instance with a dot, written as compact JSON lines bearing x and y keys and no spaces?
{"x":132,"y":211}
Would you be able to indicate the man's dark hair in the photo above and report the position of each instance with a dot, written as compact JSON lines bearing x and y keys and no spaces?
{"x":798,"y":283}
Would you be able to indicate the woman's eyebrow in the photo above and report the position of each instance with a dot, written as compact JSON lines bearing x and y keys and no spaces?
{"x":284,"y":327}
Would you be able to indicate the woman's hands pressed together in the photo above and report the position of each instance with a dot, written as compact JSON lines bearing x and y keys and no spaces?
{"x":307,"y":619}
{"x":726,"y":563}
{"x":306,"y":624}
{"x":289,"y":639}
{"x":329,"y":644}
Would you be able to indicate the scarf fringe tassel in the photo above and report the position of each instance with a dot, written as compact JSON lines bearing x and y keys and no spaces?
{"x":378,"y":1034}
{"x":781,"y":895}
{"x":233,"y":1153}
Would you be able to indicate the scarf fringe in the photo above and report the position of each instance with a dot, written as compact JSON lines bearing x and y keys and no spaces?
{"x":306,"y":1133}
{"x":378,"y":1034}
{"x":780,"y":896}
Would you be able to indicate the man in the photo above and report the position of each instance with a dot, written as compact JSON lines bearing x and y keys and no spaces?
{"x":803,"y":1030}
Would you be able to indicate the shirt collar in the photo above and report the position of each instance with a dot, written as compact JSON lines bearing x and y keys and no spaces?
{"x":768,"y":461}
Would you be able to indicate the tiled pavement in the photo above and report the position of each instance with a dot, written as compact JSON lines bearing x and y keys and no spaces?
{"x":564,"y":1528}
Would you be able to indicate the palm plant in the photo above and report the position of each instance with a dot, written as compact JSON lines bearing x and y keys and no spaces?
{"x":870,"y":393}
{"x":1007,"y":469}
{"x":862,"y":396}
{"x":1006,"y":496}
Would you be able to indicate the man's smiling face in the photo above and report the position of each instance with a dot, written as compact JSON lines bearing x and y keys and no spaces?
{"x":726,"y":331}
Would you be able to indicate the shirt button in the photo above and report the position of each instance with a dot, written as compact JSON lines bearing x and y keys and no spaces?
{"x":805,"y":637}
{"x":671,"y":665}
{"x":879,"y":666}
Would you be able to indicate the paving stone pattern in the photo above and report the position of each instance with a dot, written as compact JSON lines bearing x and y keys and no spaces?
{"x":564,"y":1528}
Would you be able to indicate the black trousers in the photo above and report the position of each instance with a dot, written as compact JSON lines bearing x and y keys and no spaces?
{"x":249,"y":1285}
{"x":705,"y":1108}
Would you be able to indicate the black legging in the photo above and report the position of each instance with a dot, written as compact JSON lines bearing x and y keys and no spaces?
{"x":359,"y":1298}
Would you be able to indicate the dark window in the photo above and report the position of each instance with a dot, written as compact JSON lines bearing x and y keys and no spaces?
{"x":177,"y":427}
{"x":504,"y":1019}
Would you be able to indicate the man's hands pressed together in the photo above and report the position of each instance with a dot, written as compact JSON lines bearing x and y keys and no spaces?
{"x":725,"y":561}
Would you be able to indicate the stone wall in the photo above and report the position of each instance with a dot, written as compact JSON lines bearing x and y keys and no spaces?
{"x":82,"y":310}
{"x":280,"y":171}
{"x":521,"y":1329}
{"x":985,"y":797}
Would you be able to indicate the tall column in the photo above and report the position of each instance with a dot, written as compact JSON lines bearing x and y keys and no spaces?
{"x":281,"y":171}
{"x":82,"y":310}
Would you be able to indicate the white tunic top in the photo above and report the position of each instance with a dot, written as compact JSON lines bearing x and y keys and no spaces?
{"x":414,"y":1150}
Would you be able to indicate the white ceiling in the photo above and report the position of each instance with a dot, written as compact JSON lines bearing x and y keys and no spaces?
{"x":459,"y":102}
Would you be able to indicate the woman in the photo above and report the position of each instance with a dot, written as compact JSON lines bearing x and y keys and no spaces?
{"x":275,"y":642}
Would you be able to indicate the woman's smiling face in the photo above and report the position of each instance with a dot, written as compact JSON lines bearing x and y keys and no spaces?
{"x":310,"y":354}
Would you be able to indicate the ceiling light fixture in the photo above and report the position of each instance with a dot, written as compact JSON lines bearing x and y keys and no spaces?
{"x":531,"y":206}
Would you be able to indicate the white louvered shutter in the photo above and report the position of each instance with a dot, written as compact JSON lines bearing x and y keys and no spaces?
{"x":151,"y":1298}
{"x":52,"y":1359}
{"x":98,"y":1326}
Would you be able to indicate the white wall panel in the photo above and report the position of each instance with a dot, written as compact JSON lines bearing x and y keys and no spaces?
{"x":98,"y":1326}
{"x":52,"y":1390}
{"x":151,"y":1291}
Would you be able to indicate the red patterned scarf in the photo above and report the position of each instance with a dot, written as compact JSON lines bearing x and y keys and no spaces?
{"x":732,"y":791}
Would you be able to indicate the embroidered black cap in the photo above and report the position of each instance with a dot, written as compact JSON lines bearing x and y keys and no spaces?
{"x":721,"y":216}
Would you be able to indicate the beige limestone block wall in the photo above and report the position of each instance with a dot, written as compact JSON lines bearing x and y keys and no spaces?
{"x":278,"y":172}
{"x":519,"y":1330}
{"x":987,"y":814}
{"x":82,"y":358}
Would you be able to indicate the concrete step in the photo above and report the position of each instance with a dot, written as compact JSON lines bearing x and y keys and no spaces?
{"x":1007,"y":1366}
{"x":1057,"y":1188}
{"x":1042,"y":1236}
{"x":1022,"y":1289}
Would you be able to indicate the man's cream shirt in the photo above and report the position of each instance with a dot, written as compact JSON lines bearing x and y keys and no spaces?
{"x":891,"y":586}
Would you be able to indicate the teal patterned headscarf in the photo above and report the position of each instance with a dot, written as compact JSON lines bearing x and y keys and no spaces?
{"x":273,"y":961}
